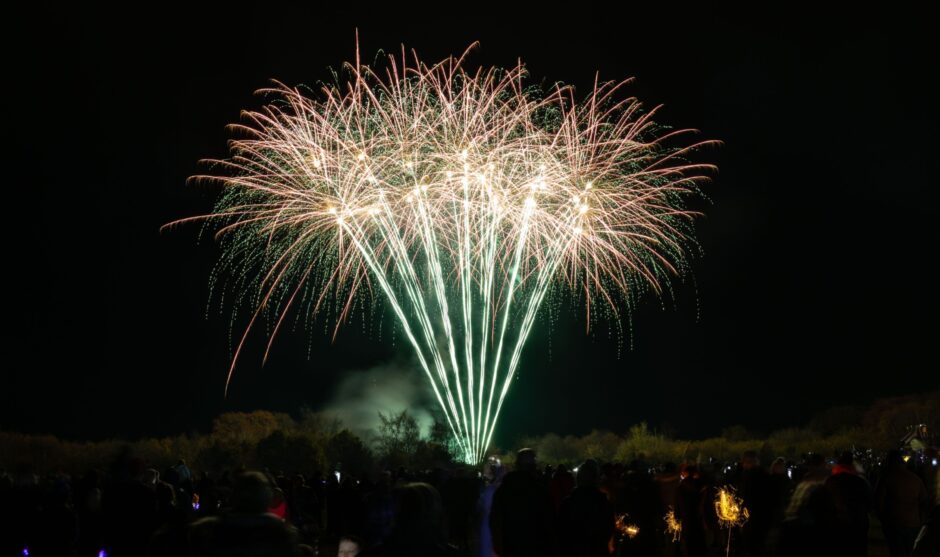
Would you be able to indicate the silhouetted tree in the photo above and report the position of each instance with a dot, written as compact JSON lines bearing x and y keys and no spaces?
{"x":347,"y":448}
{"x":399,"y":438}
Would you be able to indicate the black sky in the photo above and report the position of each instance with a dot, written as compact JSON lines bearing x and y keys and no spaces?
{"x":816,"y":287}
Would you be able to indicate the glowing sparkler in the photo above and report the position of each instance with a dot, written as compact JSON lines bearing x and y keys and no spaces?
{"x":462,"y":199}
{"x":626,"y":529}
{"x":731,"y":512}
{"x":673,"y":525}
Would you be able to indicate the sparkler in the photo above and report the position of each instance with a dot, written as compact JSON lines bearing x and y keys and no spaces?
{"x":625,"y":528}
{"x":731,"y":512}
{"x":463,"y":199}
{"x":673,"y":525}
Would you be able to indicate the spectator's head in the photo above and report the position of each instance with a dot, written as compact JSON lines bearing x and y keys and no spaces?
{"x":136,"y":467}
{"x":750,"y":460}
{"x":279,"y":504}
{"x":815,"y":461}
{"x":166,"y":495}
{"x":492,"y":469}
{"x":171,"y":476}
{"x":349,"y":546}
{"x":251,"y":493}
{"x":419,"y":513}
{"x":588,"y":473}
{"x":525,"y":460}
{"x":61,"y":492}
{"x":894,"y":460}
{"x":779,"y":466}
{"x":151,"y":476}
{"x":25,"y":478}
{"x":846,"y":460}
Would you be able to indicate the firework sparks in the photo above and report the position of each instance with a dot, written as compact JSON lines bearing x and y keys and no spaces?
{"x":673,"y":525}
{"x":731,"y":511}
{"x":625,"y":528}
{"x":460,"y":199}
{"x":730,"y":508}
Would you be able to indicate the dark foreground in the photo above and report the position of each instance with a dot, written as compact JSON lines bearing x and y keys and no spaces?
{"x":815,"y":507}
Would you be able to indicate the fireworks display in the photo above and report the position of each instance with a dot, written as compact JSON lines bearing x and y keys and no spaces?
{"x":460,"y":199}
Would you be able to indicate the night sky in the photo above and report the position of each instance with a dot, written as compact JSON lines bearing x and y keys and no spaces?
{"x":815,"y":288}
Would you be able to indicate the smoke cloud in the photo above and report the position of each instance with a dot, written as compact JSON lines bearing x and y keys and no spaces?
{"x":389,"y":389}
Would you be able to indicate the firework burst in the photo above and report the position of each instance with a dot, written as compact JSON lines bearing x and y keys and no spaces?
{"x":461,"y":199}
